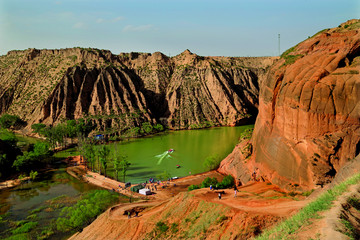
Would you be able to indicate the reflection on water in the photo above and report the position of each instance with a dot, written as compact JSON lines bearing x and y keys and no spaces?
{"x":34,"y":200}
{"x":150,"y":156}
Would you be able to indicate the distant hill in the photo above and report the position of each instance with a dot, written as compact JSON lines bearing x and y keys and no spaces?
{"x":121,"y":91}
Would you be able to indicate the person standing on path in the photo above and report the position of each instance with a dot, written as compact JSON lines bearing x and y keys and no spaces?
{"x":219,"y":196}
{"x":128,"y":214}
{"x":235,"y":191}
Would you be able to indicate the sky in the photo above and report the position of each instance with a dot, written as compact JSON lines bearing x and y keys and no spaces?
{"x":205,"y":27}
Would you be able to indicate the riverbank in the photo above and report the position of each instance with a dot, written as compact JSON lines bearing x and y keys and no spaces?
{"x":166,"y":190}
{"x":12,"y":183}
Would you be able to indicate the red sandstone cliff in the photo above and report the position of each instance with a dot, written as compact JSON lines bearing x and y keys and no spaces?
{"x":308,"y":125}
{"x":122,"y":91}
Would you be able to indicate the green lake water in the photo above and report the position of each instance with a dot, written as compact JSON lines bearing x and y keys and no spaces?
{"x":55,"y":189}
{"x":17,"y":204}
{"x":191,"y":147}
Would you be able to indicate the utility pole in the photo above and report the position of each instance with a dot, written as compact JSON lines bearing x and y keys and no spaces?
{"x":279,"y":44}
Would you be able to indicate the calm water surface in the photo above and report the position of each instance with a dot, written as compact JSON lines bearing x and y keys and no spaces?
{"x":148,"y":155}
{"x":19,"y":203}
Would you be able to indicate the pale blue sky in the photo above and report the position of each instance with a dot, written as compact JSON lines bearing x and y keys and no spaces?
{"x":206,"y":27}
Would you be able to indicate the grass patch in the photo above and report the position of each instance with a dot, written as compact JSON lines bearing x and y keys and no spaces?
{"x":307,"y":193}
{"x":322,"y":203}
{"x":85,"y":210}
{"x":25,"y":228}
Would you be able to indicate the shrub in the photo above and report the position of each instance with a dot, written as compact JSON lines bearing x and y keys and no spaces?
{"x":27,"y":227}
{"x":227,"y":182}
{"x":7,"y":121}
{"x":193,"y":187}
{"x":85,"y":210}
{"x":209,"y":181}
{"x":146,"y":126}
{"x":247,"y":133}
{"x":174,"y":227}
{"x":158,"y":127}
{"x":161,"y":226}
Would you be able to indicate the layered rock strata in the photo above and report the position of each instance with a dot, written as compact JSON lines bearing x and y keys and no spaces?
{"x":121,"y":91}
{"x":308,"y":125}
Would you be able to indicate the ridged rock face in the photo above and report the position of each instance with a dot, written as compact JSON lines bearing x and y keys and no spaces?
{"x":122,"y":91}
{"x":308,"y":125}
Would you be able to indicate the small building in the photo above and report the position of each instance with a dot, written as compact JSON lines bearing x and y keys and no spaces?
{"x":145,"y":191}
{"x":99,"y":137}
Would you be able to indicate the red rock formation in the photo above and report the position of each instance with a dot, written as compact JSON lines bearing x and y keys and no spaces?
{"x":308,"y":125}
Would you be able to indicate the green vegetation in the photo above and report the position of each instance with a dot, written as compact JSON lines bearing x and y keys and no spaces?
{"x":29,"y":159}
{"x":312,"y":210}
{"x":193,"y":187}
{"x":161,"y":227}
{"x":57,"y":135}
{"x":25,"y":227}
{"x":290,"y":58}
{"x":9,"y":121}
{"x":227,"y":182}
{"x":247,"y":133}
{"x":85,"y":211}
{"x":212,"y":162}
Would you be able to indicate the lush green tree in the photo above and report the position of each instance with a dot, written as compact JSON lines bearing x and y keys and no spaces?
{"x":209,"y":181}
{"x":158,"y":127}
{"x":227,"y":182}
{"x":38,"y":128}
{"x":83,"y":128}
{"x":103,"y":154}
{"x":8,"y":121}
{"x":40,"y":152}
{"x":23,"y":161}
{"x":116,"y":161}
{"x":89,"y":154}
{"x":8,"y":136}
{"x":124,"y":166}
{"x":147,"y":127}
{"x":71,"y":129}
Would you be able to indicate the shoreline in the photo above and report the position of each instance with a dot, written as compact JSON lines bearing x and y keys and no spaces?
{"x":164,"y":190}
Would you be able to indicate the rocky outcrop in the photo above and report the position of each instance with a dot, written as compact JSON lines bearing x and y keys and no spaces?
{"x":308,"y":125}
{"x":122,"y":91}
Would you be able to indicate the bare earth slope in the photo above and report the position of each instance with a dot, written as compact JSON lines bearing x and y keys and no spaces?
{"x":122,"y":91}
{"x":308,"y":125}
{"x":198,"y":214}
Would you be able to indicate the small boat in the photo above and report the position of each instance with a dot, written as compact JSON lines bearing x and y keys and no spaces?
{"x":171,"y":150}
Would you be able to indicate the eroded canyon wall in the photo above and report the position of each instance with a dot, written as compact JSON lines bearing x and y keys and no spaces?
{"x":122,"y":91}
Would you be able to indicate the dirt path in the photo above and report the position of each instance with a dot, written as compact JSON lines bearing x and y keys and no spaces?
{"x":253,"y":199}
{"x":164,"y":191}
{"x":259,"y":197}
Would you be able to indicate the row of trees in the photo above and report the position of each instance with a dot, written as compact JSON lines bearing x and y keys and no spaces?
{"x":102,"y":156}
{"x":57,"y":135}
